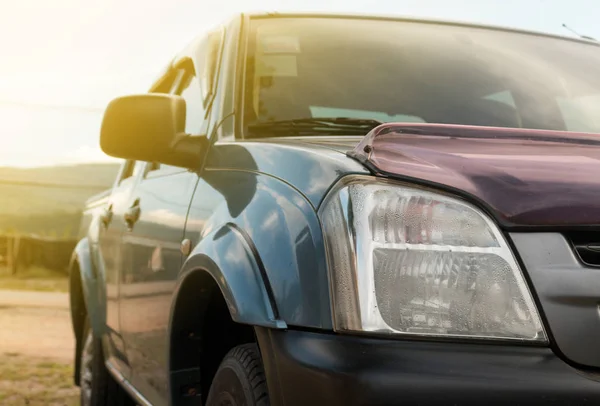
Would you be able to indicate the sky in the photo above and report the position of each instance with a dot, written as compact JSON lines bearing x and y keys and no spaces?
{"x":62,"y":61}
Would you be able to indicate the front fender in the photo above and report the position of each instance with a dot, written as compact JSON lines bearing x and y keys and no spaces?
{"x":82,"y":257}
{"x":229,"y":257}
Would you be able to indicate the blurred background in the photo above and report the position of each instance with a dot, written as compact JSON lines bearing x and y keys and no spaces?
{"x":61,"y":63}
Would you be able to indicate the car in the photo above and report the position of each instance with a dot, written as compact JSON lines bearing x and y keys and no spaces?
{"x":321,"y":209}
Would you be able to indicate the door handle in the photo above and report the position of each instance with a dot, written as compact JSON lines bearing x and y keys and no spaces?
{"x":132,"y":214}
{"x":106,"y":216}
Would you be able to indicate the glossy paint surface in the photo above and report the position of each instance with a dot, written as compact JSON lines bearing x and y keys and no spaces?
{"x":280,"y":224}
{"x":229,"y":257}
{"x":250,"y":216}
{"x":86,"y":255}
{"x":111,"y":225}
{"x":269,"y":190}
{"x":526,"y":177}
{"x":310,"y":164}
{"x":251,"y":229}
{"x":149,"y":268}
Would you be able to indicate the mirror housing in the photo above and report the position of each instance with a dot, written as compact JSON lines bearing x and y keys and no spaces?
{"x":150,"y":127}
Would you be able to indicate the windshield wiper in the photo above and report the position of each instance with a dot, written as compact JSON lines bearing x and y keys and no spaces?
{"x":315,"y":125}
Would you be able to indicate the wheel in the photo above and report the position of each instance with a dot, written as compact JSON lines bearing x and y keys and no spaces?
{"x":98,"y":387}
{"x":240,"y":379}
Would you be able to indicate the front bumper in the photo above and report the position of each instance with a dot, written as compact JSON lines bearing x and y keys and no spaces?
{"x":312,"y":369}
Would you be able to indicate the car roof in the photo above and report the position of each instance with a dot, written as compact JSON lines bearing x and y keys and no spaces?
{"x":415,"y":20}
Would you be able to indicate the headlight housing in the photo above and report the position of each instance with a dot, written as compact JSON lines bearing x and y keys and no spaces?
{"x":408,"y":261}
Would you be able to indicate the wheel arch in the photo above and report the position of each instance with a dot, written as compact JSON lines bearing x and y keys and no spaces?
{"x":81,"y":264}
{"x":220,"y":289}
{"x":83,"y":297}
{"x":227,"y":255}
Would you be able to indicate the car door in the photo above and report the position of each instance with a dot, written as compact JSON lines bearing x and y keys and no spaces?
{"x":153,"y":257}
{"x":107,"y":261}
{"x":151,"y":261}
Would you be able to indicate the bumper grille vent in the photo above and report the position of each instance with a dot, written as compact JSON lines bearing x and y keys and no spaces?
{"x":586,"y":245}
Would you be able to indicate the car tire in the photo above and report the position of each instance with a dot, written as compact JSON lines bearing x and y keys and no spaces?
{"x":240,"y":379}
{"x":98,"y":387}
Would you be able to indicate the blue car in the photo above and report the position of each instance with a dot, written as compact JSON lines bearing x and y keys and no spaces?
{"x":348,"y":210}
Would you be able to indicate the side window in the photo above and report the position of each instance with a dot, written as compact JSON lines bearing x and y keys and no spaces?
{"x":194,"y":115}
{"x":208,"y":62}
{"x":138,"y":168}
{"x":188,"y":88}
{"x":131,"y":169}
{"x":195,"y":85}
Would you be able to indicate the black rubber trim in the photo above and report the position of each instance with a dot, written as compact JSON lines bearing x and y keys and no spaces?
{"x":567,"y":293}
{"x":261,"y":268}
{"x":582,"y":242}
{"x":342,"y":16}
{"x":536,"y":300}
{"x":309,"y":368}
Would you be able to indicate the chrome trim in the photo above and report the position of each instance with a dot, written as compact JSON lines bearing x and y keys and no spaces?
{"x":137,"y":396}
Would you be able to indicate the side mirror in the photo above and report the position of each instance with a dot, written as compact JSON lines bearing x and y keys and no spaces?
{"x":150,"y":127}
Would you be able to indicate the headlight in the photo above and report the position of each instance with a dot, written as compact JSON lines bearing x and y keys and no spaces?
{"x":408,"y":261}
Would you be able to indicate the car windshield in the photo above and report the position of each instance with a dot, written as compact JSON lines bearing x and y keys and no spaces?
{"x":403,"y":71}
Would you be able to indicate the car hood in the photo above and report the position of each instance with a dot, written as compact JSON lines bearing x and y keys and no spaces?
{"x":525,"y":178}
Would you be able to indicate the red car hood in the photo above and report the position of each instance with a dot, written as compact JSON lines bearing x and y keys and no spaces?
{"x":525,"y":177}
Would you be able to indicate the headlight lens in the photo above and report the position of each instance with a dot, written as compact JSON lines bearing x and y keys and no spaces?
{"x":404,"y":260}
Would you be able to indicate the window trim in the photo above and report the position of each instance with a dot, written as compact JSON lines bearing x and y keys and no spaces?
{"x":176,"y":75}
{"x":179,"y":75}
{"x":160,"y":172}
{"x":209,"y":94}
{"x":182,"y":74}
{"x":127,"y":168}
{"x":240,"y":76}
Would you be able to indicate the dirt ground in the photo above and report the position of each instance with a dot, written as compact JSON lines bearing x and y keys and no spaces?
{"x":36,"y":349}
{"x":34,"y":278}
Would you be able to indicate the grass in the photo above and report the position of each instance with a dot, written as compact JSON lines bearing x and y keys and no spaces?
{"x":36,"y":381}
{"x":34,"y":278}
{"x":23,"y":200}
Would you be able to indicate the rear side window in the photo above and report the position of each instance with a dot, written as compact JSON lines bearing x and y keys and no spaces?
{"x":195,"y":112}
